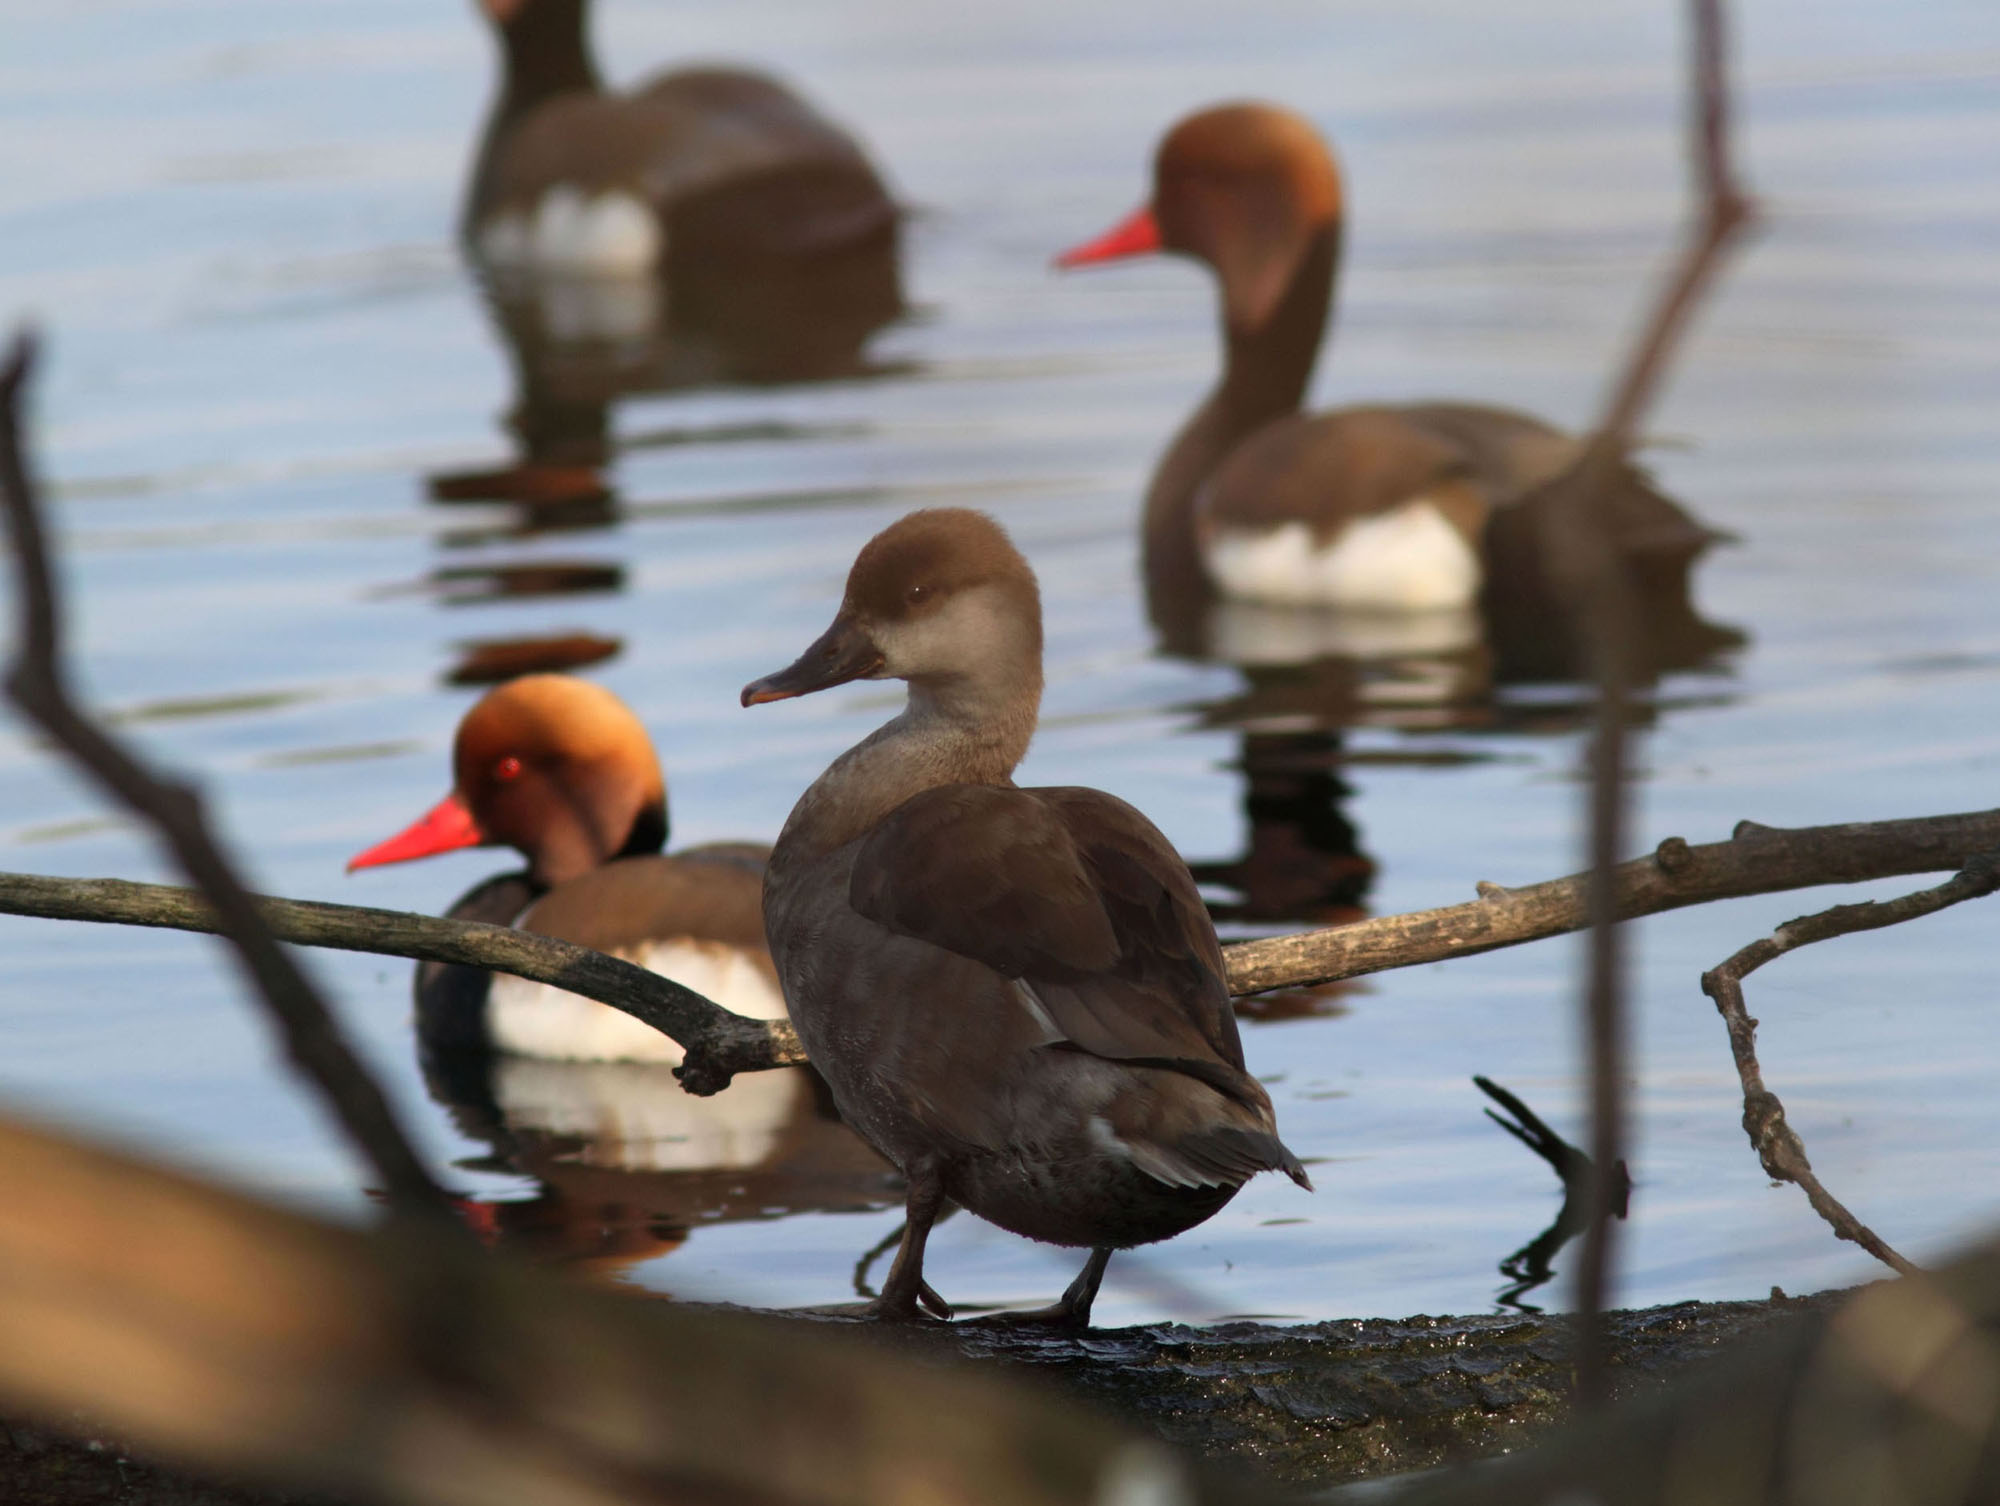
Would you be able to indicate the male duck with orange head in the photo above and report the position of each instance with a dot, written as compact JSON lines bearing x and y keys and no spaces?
{"x":562,"y":771}
{"x":1379,"y":508}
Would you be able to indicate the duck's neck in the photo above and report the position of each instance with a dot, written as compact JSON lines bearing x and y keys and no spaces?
{"x":1264,"y":376}
{"x":951,"y":732}
{"x":544,"y":52}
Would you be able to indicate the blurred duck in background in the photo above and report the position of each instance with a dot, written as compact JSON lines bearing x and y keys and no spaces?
{"x":1408,"y":530}
{"x":707,"y":225}
{"x":1014,"y":994}
{"x":562,"y":771}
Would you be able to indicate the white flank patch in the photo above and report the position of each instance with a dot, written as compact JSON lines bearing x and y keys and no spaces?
{"x":1253,"y":634}
{"x":1408,"y":559}
{"x":636,"y":1117}
{"x":535,"y":1019}
{"x":605,"y":234}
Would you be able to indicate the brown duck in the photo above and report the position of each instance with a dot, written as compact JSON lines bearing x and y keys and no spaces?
{"x":1382,"y":508}
{"x":1014,"y":994}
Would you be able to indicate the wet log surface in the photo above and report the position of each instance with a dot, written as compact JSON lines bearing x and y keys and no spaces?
{"x":1323,"y":1403}
{"x":1313,"y":1405}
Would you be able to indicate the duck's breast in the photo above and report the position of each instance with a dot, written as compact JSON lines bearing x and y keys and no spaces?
{"x":696,"y":921}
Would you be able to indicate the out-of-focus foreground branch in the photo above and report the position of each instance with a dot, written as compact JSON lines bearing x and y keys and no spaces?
{"x":1777,"y":1144}
{"x":1894,"y":1397}
{"x":1584,"y":558}
{"x":253,"y":1344}
{"x":305,"y":1025}
{"x":269,"y":1347}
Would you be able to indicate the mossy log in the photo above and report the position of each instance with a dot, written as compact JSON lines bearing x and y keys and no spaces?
{"x":1313,"y":1405}
{"x":1324,"y":1403}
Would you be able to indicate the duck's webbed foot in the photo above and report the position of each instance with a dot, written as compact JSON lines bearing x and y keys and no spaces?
{"x":920,"y":1306}
{"x":1071,"y":1313}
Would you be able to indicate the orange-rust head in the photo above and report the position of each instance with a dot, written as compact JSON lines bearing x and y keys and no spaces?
{"x":555,"y":767}
{"x":1245,"y":188}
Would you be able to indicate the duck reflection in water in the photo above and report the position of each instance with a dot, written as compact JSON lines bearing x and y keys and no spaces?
{"x":709,"y":225}
{"x":571,"y":1092}
{"x":626,"y":1164}
{"x":1532,"y":1265}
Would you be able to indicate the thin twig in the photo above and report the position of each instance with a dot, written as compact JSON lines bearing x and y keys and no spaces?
{"x":1586,"y":563}
{"x":312,"y":1039}
{"x":1778,"y":1146}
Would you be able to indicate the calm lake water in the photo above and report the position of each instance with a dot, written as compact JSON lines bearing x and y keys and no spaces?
{"x":236,"y":224}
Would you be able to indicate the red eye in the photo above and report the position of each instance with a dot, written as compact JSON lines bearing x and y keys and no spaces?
{"x":508,"y":768}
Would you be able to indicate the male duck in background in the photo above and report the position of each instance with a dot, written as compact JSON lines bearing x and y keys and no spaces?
{"x":1419,"y":513}
{"x":707,"y":225}
{"x":577,"y":1094}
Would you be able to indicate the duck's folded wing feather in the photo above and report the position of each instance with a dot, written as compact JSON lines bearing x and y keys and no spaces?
{"x":1079,"y":899}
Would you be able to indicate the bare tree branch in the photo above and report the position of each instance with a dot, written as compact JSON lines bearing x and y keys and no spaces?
{"x":718,"y":1043}
{"x":1777,"y":1144}
{"x":311,"y":1038}
{"x":1757,"y":859}
{"x":1586,"y":563}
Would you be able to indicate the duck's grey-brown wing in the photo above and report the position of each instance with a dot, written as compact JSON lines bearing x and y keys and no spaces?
{"x":1328,"y":469}
{"x":1081,"y":902}
{"x":685,"y":134}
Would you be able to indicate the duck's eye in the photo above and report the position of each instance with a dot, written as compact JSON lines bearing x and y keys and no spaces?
{"x":918,"y":594}
{"x":508,"y":768}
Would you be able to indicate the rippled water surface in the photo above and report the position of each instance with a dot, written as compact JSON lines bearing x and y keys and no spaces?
{"x":236,"y":224}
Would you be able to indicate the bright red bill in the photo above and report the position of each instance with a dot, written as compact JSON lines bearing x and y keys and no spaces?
{"x":448,"y":825}
{"x":1133,"y":236}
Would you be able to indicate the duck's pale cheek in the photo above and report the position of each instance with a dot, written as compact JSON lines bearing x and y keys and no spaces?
{"x":1407,"y":559}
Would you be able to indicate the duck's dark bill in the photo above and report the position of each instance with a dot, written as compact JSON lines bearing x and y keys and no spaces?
{"x":843,"y":652}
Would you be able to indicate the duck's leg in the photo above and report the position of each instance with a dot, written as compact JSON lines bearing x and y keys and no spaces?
{"x":1072,"y":1310}
{"x":905,"y":1290}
